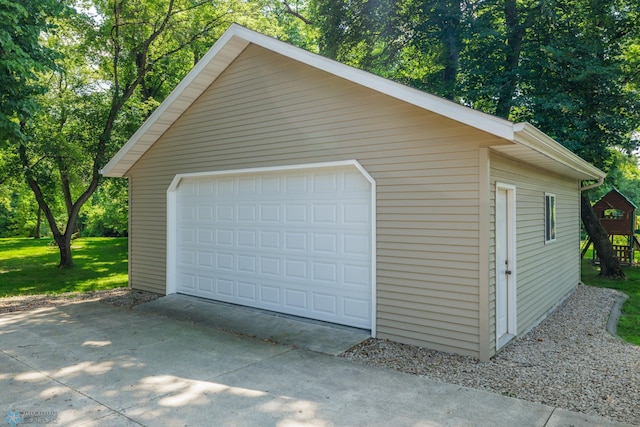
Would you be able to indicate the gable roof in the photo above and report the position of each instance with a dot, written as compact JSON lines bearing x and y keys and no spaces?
{"x":528,"y":143}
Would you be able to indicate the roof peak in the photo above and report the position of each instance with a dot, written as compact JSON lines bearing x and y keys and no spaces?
{"x":236,"y":38}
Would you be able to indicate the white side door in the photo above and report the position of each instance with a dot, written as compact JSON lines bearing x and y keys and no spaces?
{"x":505,"y":265}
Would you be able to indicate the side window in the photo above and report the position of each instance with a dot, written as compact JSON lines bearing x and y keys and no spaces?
{"x":549,"y":217}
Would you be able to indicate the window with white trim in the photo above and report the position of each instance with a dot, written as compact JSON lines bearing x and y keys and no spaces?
{"x":549,"y":217}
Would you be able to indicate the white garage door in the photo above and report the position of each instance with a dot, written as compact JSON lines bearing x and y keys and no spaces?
{"x":296,"y":241}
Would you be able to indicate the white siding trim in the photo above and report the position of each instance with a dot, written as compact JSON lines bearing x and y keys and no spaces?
{"x":512,"y":325}
{"x":172,"y":207}
{"x":129,"y":239}
{"x":354,"y":163}
{"x":526,"y":134}
{"x":484,"y":293}
{"x":172,"y":235}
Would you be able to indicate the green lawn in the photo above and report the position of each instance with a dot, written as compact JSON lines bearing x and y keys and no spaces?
{"x":629,"y":324}
{"x":29,"y":266}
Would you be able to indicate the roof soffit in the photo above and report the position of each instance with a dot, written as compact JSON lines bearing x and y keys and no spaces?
{"x":535,"y":147}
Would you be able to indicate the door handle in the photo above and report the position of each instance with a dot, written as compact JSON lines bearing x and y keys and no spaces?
{"x":507,"y":272}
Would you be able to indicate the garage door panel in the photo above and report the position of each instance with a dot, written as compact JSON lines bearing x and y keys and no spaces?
{"x":295,"y":213}
{"x":270,"y":239}
{"x":324,"y":243}
{"x":187,"y":234}
{"x":270,"y":295}
{"x":356,"y":245}
{"x":225,"y":213}
{"x":356,"y":308}
{"x":325,"y":303}
{"x":247,"y":263}
{"x":295,"y":300}
{"x":247,"y":291}
{"x":247,"y":239}
{"x":325,"y":272}
{"x":224,"y":261}
{"x":270,"y":266}
{"x":356,"y":276}
{"x":206,"y":235}
{"x":225,"y":289}
{"x":225,"y":237}
{"x":270,"y":213}
{"x":205,"y":284}
{"x":355,"y":213}
{"x":297,"y":242}
{"x":187,"y":258}
{"x":296,"y":269}
{"x":187,"y":281}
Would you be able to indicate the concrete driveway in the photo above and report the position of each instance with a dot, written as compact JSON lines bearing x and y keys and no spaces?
{"x":169,"y":363}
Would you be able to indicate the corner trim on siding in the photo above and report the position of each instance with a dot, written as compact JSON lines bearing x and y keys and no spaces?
{"x":129,"y":239}
{"x":171,"y":278}
{"x":484,"y":338}
{"x":172,"y":236}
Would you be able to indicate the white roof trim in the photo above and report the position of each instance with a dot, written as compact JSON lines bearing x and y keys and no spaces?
{"x":237,"y":38}
{"x":528,"y":135}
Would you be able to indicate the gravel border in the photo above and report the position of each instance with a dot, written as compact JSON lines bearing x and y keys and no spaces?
{"x":568,"y":361}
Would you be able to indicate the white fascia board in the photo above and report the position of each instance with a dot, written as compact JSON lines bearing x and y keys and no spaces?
{"x":530,"y":136}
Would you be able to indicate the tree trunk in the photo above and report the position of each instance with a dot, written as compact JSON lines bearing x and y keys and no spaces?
{"x":62,"y":239}
{"x":609,"y":264}
{"x":64,"y":246}
{"x":515,"y":33}
{"x":36,"y":232}
{"x":450,"y":27}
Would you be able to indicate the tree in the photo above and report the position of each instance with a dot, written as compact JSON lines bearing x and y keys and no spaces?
{"x":106,"y":213}
{"x":18,"y":208}
{"x":578,"y":93}
{"x":415,"y":42}
{"x":22,"y":57}
{"x":624,"y":175}
{"x":116,"y":66}
{"x":493,"y":65}
{"x":565,"y":71}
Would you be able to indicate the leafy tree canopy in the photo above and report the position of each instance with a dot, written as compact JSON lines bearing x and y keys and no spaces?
{"x":22,"y":57}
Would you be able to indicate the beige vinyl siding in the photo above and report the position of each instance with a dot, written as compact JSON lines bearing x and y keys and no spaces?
{"x":147,"y":236}
{"x":546,"y":273}
{"x":266,"y":110}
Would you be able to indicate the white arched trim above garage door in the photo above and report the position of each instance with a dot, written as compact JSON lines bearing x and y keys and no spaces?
{"x":299,"y":239}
